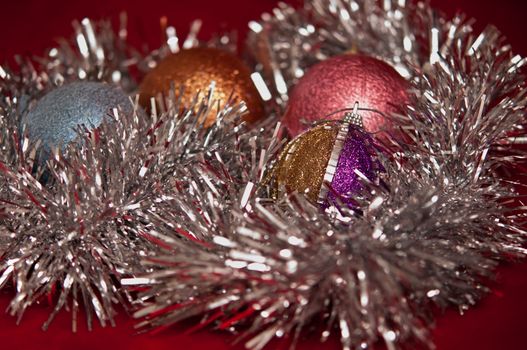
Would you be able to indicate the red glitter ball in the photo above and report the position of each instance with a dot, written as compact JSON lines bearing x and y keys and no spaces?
{"x":338,"y":83}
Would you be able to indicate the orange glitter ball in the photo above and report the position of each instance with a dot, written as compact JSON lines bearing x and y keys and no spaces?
{"x":195,"y":69}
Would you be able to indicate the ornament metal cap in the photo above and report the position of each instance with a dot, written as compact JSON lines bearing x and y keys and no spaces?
{"x":353,"y":117}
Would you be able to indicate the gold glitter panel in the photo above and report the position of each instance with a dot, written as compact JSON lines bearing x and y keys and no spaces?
{"x":302,"y":165}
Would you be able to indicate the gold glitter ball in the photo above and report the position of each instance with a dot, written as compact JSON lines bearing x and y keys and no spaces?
{"x":303,"y":163}
{"x":195,"y":69}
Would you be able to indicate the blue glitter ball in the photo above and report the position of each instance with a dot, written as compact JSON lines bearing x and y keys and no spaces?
{"x":56,"y":116}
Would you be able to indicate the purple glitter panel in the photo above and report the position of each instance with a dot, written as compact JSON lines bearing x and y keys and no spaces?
{"x":355,"y":155}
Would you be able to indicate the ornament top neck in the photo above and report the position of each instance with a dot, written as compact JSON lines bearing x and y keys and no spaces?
{"x":353,"y":117}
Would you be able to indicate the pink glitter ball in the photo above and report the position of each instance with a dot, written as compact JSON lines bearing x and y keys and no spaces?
{"x":338,"y":83}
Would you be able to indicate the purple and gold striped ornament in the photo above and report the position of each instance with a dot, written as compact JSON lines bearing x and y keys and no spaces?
{"x":327,"y":162}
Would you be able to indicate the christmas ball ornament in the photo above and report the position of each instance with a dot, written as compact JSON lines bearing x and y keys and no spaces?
{"x":56,"y":116}
{"x":337,"y":83}
{"x":195,"y":69}
{"x":329,"y":153}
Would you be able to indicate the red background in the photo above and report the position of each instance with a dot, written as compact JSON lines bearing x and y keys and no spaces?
{"x":30,"y":26}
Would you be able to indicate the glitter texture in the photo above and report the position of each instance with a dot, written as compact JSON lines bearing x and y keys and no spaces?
{"x":354,"y":155}
{"x":338,"y":83}
{"x":55,"y":117}
{"x":195,"y":69}
{"x":302,"y":164}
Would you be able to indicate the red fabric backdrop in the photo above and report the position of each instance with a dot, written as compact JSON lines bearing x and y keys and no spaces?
{"x":29,"y":26}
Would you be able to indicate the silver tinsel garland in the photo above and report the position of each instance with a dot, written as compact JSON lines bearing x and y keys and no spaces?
{"x":106,"y":197}
{"x":429,"y":234}
{"x":182,"y":216}
{"x":54,"y":241}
